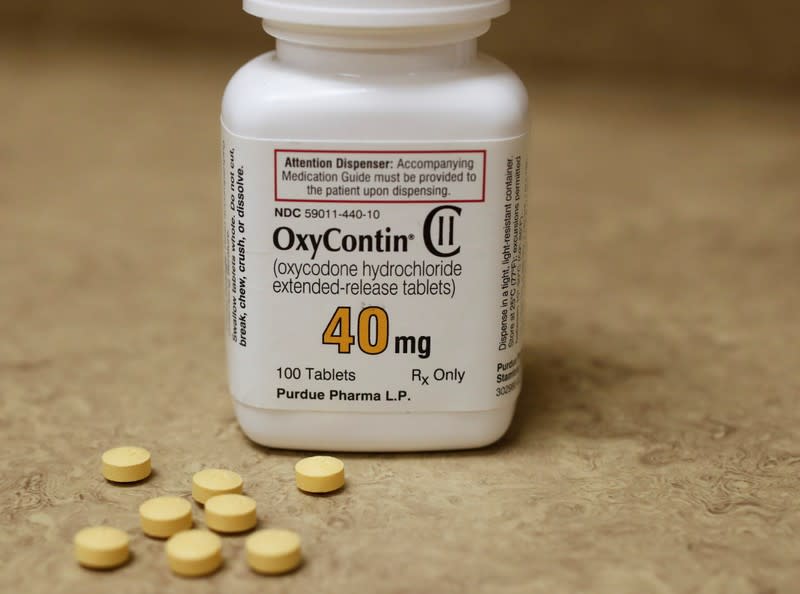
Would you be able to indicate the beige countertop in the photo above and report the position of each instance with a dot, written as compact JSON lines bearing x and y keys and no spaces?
{"x":655,"y":448}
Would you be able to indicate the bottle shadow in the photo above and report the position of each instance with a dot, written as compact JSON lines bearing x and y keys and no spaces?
{"x":568,"y":391}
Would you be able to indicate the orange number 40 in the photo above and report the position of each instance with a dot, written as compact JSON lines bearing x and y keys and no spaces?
{"x":373,"y":330}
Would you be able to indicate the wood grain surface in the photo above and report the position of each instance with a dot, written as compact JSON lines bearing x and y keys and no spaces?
{"x":655,"y":449}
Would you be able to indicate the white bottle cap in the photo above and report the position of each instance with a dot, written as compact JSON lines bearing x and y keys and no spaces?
{"x":377,"y":13}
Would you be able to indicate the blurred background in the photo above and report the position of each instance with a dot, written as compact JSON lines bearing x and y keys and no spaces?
{"x":710,"y":39}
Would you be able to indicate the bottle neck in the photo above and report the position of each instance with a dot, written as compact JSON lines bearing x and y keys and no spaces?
{"x":376,"y":51}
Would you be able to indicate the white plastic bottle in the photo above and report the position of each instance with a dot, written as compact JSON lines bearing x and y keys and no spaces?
{"x":374,"y":180}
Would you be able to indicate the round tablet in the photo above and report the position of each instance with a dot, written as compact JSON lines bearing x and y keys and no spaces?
{"x":101,"y":547}
{"x":214,"y":481}
{"x":162,"y":517}
{"x":126,"y":464}
{"x":231,"y":513}
{"x":273,"y":551}
{"x":194,"y":552}
{"x":319,"y":474}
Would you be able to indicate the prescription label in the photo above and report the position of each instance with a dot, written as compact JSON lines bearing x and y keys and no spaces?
{"x":374,"y":278}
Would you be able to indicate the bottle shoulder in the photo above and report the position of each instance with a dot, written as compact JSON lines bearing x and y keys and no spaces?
{"x":482,"y":100}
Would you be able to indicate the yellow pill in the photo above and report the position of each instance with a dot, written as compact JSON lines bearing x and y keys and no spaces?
{"x":101,"y":547}
{"x":162,"y":517}
{"x":319,"y":474}
{"x":273,"y":551}
{"x":126,"y":464}
{"x":214,"y":481}
{"x":231,"y":513}
{"x":193,"y":553}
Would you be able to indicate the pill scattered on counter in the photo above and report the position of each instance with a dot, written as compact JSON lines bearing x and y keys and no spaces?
{"x":273,"y":551}
{"x":214,"y":481}
{"x":231,"y":513}
{"x":126,"y":464}
{"x":194,"y":553}
{"x":319,"y":474}
{"x":101,"y":547}
{"x":161,"y":517}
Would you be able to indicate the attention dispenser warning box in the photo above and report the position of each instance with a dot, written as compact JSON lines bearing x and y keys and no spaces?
{"x":411,"y":177}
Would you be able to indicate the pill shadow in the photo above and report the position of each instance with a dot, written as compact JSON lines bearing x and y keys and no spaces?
{"x":338,"y":491}
{"x":260,"y":523}
{"x":199,"y":523}
{"x":153,"y":474}
{"x":276,"y":576}
{"x":190,"y":578}
{"x":109,"y":570}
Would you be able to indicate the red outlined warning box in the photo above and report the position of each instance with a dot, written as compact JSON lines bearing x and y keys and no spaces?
{"x":387,"y":177}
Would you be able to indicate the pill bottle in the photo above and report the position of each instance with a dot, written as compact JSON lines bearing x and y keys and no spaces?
{"x":374,"y":199}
